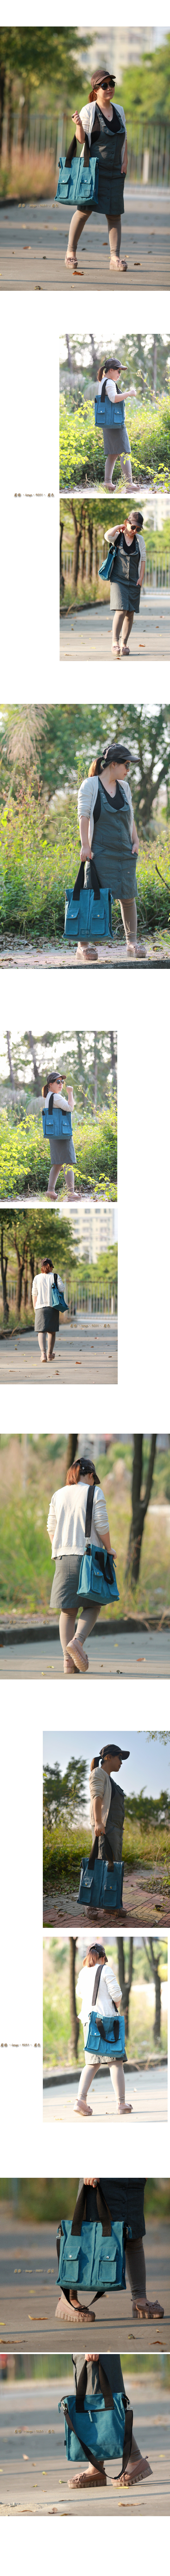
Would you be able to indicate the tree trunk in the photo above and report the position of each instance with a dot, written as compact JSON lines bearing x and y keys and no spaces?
{"x":25,"y":1280}
{"x":90,"y":538}
{"x":37,"y":1075}
{"x":71,"y":1449}
{"x":4,"y":1266}
{"x":139,"y":1508}
{"x":20,"y":1276}
{"x":2,"y":96}
{"x":75,"y":2024}
{"x":95,"y":1077}
{"x":12,"y":1077}
{"x":62,"y":582}
{"x":69,"y":355}
{"x":10,"y":121}
{"x":76,"y":549}
{"x":157,"y":1985}
{"x":113,"y":1061}
{"x":154,"y":373}
{"x":125,"y":1980}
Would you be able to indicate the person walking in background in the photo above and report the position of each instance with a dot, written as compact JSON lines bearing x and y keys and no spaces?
{"x":48,"y":1298}
{"x":62,"y":1150}
{"x":108,"y":831}
{"x":115,"y":439}
{"x":108,"y":2001}
{"x":67,"y":1529}
{"x":102,"y":128}
{"x":126,"y":577}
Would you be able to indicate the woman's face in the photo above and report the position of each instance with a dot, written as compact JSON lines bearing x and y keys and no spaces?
{"x":118,"y":769}
{"x":131,"y":525}
{"x":105,"y":93}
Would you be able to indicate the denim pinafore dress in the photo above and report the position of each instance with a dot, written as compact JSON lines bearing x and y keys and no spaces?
{"x":123,"y":587}
{"x":111,"y":177}
{"x":112,"y":847}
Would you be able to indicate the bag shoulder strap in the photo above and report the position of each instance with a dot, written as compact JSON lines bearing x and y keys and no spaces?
{"x":103,"y":2211}
{"x":95,"y":1987}
{"x":127,"y":2446}
{"x":104,"y":2386}
{"x":89,"y":1508}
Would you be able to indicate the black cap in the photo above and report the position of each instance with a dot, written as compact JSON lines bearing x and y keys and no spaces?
{"x":112,"y":1749}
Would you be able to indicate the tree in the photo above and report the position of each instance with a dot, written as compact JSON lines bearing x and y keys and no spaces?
{"x":4,"y":1267}
{"x":139,"y":1505}
{"x":154,"y":1957}
{"x":71,"y":736}
{"x":64,"y":1795}
{"x":70,"y":1452}
{"x":75,"y":2024}
{"x":125,"y":1978}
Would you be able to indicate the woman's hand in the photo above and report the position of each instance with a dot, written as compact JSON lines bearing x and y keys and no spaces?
{"x":79,"y":128}
{"x":141,"y":576}
{"x":91,"y":2182}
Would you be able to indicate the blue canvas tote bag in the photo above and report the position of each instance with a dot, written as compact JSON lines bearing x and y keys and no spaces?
{"x":101,"y":1886}
{"x":97,"y":1578}
{"x":88,"y":915}
{"x":106,"y":569}
{"x":56,"y":1121}
{"x":78,"y":182}
{"x":107,"y":2420}
{"x":58,"y":1298}
{"x":92,"y":2253}
{"x":108,"y":415}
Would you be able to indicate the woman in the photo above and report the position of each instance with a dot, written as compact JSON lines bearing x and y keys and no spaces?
{"x":102,"y":2373}
{"x":126,"y":579}
{"x":62,"y":1153}
{"x":46,"y":1313}
{"x":104,"y":126}
{"x":115,"y":439}
{"x":107,"y":1806}
{"x":108,"y":830}
{"x":108,"y":1999}
{"x":67,"y":1528}
{"x":125,"y":2200}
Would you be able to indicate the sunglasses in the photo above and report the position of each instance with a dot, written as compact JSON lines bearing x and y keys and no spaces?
{"x":107,"y":84}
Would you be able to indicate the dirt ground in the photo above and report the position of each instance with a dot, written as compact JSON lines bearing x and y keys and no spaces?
{"x":143,"y":1901}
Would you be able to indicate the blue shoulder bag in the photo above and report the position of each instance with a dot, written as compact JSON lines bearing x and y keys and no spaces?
{"x":97,"y":1578}
{"x":92,"y":2253}
{"x":106,"y":569}
{"x":101,"y":1886}
{"x":104,"y":2038}
{"x":108,"y":2419}
{"x":78,"y":178}
{"x":58,"y":1298}
{"x":56,"y":1121}
{"x":88,"y":910}
{"x":108,"y":415}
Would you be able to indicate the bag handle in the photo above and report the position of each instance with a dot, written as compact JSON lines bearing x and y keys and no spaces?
{"x":104,"y":2386}
{"x":89,"y":1509}
{"x":103,"y":2211}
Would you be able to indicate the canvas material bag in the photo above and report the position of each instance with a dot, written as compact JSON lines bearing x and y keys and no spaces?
{"x":106,"y":569}
{"x":78,"y":185}
{"x":101,"y":1886}
{"x":88,"y":915}
{"x":97,"y":1578}
{"x":104,"y":2038}
{"x":58,"y":1298}
{"x":109,"y":2419}
{"x":92,"y":2254}
{"x":109,"y":415}
{"x":56,"y":1122}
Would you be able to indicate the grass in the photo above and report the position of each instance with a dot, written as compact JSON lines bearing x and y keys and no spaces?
{"x":57,"y":2041}
{"x":145,"y":1841}
{"x":27,"y":1480}
{"x":36,"y":866}
{"x":81,"y":444}
{"x":25,"y":1153}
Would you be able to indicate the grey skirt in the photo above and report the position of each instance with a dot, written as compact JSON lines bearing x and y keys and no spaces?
{"x":64,"y":1595}
{"x":47,"y":1319}
{"x":61,"y":1153}
{"x":124,"y":594}
{"x":116,"y":442}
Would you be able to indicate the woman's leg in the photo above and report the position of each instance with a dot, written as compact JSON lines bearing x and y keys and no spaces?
{"x":126,"y":628}
{"x":53,"y":1174}
{"x":118,"y":2081}
{"x":125,"y":463}
{"x":84,"y":1626}
{"x":110,"y":461}
{"x":129,"y":918}
{"x":50,"y":1345}
{"x":114,"y":231}
{"x":116,"y":629}
{"x":138,"y":2467}
{"x":136,"y":2269}
{"x":76,"y":227}
{"x":70,"y":1180}
{"x":42,"y":1346}
{"x":86,"y":2079}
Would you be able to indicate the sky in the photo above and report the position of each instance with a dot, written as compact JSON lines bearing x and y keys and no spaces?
{"x":148,"y":1767}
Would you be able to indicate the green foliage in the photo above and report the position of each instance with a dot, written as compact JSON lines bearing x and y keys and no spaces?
{"x":25,"y":1154}
{"x":81,"y":444}
{"x":25,"y":1550}
{"x":146,"y":1839}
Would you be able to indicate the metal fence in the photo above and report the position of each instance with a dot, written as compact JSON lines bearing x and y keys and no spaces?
{"x":148,"y":144}
{"x":157,"y":575}
{"x":96,"y":1301}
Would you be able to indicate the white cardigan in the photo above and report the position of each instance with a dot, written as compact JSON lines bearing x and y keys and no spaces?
{"x":87,"y":795}
{"x":67,"y":1519}
{"x":43,"y":1284}
{"x":100,"y":1787}
{"x":87,"y":117}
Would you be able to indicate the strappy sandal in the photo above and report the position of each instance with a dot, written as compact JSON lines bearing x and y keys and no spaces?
{"x":118,"y":263}
{"x":147,"y":2310}
{"x":115,"y":650}
{"x":72,"y":263}
{"x":84,"y":2481}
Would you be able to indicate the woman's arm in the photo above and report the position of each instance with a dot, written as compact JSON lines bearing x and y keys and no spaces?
{"x":141,"y":574}
{"x":135,"y":842}
{"x":51,"y":1523}
{"x":34,"y":1296}
{"x":114,"y":532}
{"x":70,"y":1097}
{"x":97,"y":1812}
{"x":79,"y":128}
{"x":124,"y":163}
{"x":84,"y":830}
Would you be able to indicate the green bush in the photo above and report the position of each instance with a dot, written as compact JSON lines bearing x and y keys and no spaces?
{"x":34,"y":874}
{"x":81,"y":444}
{"x":25,"y":1154}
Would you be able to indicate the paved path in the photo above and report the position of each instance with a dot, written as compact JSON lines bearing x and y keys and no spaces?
{"x":87,"y":633}
{"x":146,"y":2091}
{"x":141,"y":1657}
{"x":139,"y":1898}
{"x":29,"y":2292}
{"x":33,"y":243}
{"x":34,"y":2467}
{"x":84,"y":1352}
{"x":67,"y":957}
